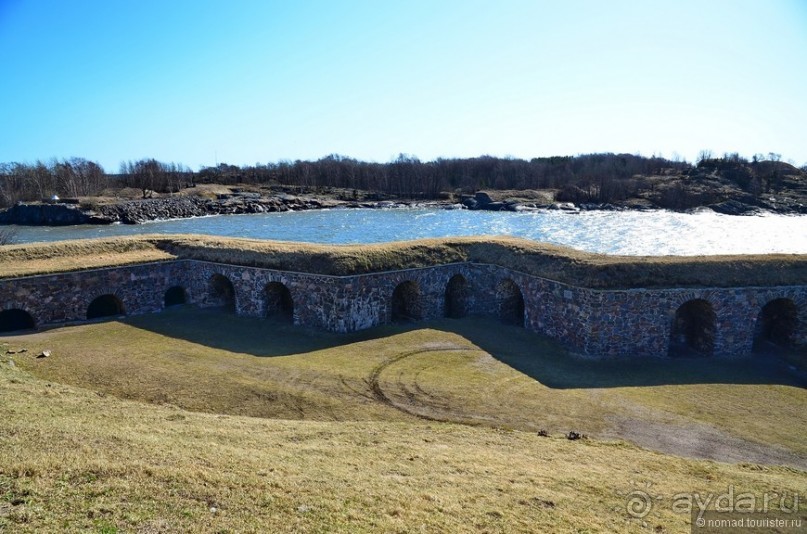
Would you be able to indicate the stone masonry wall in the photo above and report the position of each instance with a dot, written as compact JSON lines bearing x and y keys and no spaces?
{"x":606,"y":323}
{"x":65,"y":297}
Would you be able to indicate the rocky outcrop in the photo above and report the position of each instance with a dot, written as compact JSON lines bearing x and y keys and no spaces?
{"x":49,"y":215}
{"x":152,"y":209}
{"x":735,"y":207}
{"x":180,"y":207}
{"x":138,"y":211}
{"x":482,"y":201}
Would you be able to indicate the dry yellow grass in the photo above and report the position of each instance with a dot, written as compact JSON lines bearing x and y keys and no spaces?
{"x":335,"y":457}
{"x":474,"y":371}
{"x":77,"y":255}
{"x":550,"y":261}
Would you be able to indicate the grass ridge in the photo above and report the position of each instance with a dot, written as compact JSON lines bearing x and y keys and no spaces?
{"x":561,"y":264}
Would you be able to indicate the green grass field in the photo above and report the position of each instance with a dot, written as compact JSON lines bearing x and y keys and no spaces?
{"x":198,"y":420}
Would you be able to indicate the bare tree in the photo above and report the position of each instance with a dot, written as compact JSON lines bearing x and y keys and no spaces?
{"x":145,"y":174}
{"x":9,"y":184}
{"x":79,"y":177}
{"x":704,"y":155}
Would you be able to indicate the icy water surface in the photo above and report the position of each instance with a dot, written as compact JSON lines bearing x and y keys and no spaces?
{"x":626,"y":232}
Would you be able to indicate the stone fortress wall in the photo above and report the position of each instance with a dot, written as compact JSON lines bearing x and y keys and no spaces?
{"x":595,"y":322}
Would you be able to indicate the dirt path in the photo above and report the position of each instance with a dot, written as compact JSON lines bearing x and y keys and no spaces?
{"x":692,"y":439}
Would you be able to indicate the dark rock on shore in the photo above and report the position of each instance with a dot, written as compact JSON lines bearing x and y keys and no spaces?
{"x":138,"y":211}
{"x":180,"y":207}
{"x":563,"y":206}
{"x":482,"y":201}
{"x":591,"y":206}
{"x":48,"y":215}
{"x":734,"y":207}
{"x":782,"y":204}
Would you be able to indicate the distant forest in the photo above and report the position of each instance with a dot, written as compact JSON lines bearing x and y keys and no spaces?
{"x":590,"y":177}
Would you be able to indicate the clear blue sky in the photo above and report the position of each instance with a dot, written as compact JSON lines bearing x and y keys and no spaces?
{"x":245,"y":82}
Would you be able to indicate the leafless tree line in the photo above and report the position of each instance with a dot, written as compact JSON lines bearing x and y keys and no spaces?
{"x":763,"y":174}
{"x":150,"y":175}
{"x":602,"y":175}
{"x":78,"y":177}
{"x":583,"y":178}
{"x":72,"y":177}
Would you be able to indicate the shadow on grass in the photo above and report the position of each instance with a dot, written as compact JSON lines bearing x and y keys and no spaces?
{"x":549,"y":363}
{"x":268,"y":337}
{"x":527,"y":352}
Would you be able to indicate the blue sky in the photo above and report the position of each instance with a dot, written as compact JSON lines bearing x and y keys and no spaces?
{"x":244,"y":82}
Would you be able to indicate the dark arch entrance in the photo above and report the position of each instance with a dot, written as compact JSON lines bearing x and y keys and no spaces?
{"x":279,"y":303}
{"x":175,"y":296}
{"x":511,"y":302}
{"x":222,"y":292}
{"x":105,"y":306}
{"x":16,"y":319}
{"x":456,"y":304}
{"x":693,"y":329}
{"x":406,"y":305}
{"x":777,"y":323}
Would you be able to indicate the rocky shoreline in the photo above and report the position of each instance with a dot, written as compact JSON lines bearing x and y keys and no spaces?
{"x":180,"y":207}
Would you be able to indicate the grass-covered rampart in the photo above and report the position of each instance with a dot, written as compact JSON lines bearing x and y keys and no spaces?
{"x":554,"y":262}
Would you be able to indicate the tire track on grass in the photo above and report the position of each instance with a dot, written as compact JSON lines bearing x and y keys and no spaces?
{"x":381,"y":396}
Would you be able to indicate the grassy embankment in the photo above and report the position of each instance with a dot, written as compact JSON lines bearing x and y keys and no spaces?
{"x":549,"y":261}
{"x":211,"y":422}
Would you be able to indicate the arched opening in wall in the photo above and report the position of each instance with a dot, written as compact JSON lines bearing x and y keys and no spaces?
{"x":16,"y":319}
{"x":406,"y":304}
{"x":175,"y":296}
{"x":105,"y":306}
{"x":222,"y":292}
{"x":776,"y":324}
{"x":511,"y":302}
{"x":456,"y":299}
{"x":279,"y":303}
{"x":693,"y":329}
